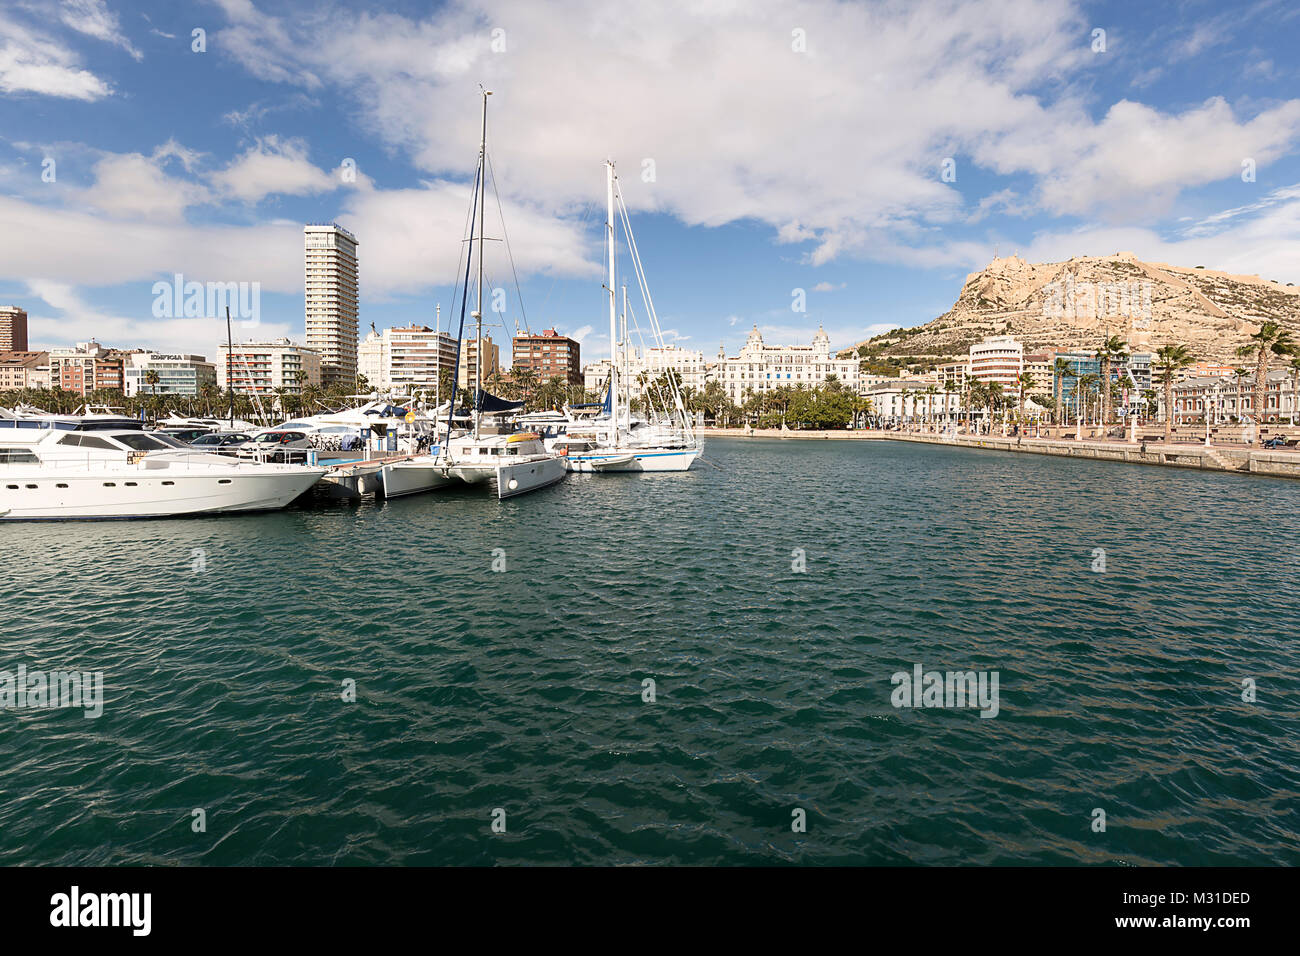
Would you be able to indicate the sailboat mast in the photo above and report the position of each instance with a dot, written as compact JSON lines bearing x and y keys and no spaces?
{"x":478,"y":312}
{"x":613,"y":303}
{"x":627,"y":358}
{"x":230,"y":359}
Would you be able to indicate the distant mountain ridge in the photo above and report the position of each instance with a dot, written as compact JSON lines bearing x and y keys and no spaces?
{"x":1072,"y":305}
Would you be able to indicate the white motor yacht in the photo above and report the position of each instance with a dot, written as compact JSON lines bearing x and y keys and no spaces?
{"x":104,"y":466}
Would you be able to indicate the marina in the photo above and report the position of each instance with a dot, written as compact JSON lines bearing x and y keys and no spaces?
{"x":772,"y":686}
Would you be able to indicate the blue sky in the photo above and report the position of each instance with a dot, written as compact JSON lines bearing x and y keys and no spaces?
{"x":794,"y":146}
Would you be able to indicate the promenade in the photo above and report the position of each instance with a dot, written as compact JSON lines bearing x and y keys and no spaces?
{"x":1237,"y":457}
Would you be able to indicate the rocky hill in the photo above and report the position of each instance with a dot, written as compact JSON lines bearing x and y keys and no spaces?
{"x":1072,"y":305}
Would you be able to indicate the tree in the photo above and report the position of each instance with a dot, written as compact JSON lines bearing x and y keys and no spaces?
{"x":1113,"y":349}
{"x":1270,"y":340}
{"x":1295,"y":388}
{"x":1026,"y":382}
{"x":1240,"y":375}
{"x":1060,"y":369}
{"x":1170,"y":359}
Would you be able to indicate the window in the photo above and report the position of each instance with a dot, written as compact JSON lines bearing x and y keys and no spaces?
{"x":141,"y":442}
{"x":18,"y":456}
{"x":86,"y":441}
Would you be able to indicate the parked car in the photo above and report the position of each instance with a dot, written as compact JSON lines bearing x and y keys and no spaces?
{"x":223,"y":443}
{"x":186,"y":435}
{"x":279,"y":446}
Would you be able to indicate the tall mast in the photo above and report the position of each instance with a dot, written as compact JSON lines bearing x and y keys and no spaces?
{"x":627,"y":358}
{"x":478,"y":312}
{"x":613,"y":304}
{"x":230,"y":359}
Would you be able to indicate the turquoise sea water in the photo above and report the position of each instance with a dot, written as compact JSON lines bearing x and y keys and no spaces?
{"x":522,"y":690}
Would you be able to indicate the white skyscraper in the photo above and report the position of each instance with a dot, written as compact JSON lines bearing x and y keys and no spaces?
{"x":331,"y":300}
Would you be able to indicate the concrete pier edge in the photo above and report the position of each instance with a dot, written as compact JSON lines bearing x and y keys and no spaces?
{"x":1244,"y":461}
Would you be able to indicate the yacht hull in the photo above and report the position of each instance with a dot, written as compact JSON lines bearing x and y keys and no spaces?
{"x":414,"y":477}
{"x":632,"y":460}
{"x":52,"y":497}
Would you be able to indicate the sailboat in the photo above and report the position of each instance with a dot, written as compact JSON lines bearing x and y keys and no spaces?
{"x":492,"y":453}
{"x":617,"y":441}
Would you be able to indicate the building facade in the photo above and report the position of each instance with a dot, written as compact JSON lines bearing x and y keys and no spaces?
{"x":646,"y":365}
{"x":85,"y":367}
{"x":467,"y":374}
{"x":331,"y":300}
{"x":761,"y":368}
{"x":548,"y":355}
{"x":177,"y":374}
{"x":1000,"y":359}
{"x":406,"y":357}
{"x":907,"y":401}
{"x":1227,"y":400}
{"x":13,"y":329}
{"x":24,"y":370}
{"x":259,"y":368}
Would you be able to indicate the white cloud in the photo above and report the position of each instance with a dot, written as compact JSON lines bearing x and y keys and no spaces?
{"x":273,"y":167}
{"x":828,"y":286}
{"x":94,"y":19}
{"x":134,"y":186}
{"x":79,"y":321}
{"x":31,"y":62}
{"x":839,"y":145}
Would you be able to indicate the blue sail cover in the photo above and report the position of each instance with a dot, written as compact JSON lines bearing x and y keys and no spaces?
{"x":486,"y":402}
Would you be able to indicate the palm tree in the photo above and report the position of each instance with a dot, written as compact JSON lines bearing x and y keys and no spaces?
{"x":1270,"y":340}
{"x":930,"y":392}
{"x":1084,"y":391}
{"x":1148,"y":396}
{"x":1170,"y":359}
{"x":1060,"y":369}
{"x":1240,"y":375}
{"x":1026,"y":382}
{"x":1295,"y":388}
{"x":1113,"y":349}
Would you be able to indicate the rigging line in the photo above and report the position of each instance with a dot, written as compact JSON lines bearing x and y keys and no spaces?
{"x":464,"y":299}
{"x":509,"y":252}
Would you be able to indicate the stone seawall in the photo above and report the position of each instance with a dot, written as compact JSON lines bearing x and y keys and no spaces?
{"x":1277,"y":464}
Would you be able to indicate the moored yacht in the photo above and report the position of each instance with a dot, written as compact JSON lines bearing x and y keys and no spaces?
{"x":513,"y":462}
{"x":104,"y":466}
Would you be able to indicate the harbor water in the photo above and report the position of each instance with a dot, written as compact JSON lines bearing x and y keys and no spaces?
{"x":668,"y":668}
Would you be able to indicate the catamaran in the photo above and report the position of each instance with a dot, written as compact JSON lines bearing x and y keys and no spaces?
{"x":511,"y":461}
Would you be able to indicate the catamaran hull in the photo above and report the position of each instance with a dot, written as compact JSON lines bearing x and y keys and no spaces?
{"x":413,"y":478}
{"x":662,"y":460}
{"x":517,"y":478}
{"x":24,"y":498}
{"x":513,"y":478}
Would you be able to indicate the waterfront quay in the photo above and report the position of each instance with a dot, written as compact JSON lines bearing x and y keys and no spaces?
{"x":1238,"y":458}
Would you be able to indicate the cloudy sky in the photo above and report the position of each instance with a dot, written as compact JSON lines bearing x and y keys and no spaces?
{"x":870,"y":154}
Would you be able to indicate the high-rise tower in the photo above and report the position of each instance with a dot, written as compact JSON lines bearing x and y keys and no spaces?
{"x":330,"y":253}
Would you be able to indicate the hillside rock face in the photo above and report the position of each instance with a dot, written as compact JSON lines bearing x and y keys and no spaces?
{"x":1073,"y":305}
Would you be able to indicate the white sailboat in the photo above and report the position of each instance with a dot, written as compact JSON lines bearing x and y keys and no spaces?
{"x":512,"y":462}
{"x":618,"y":441}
